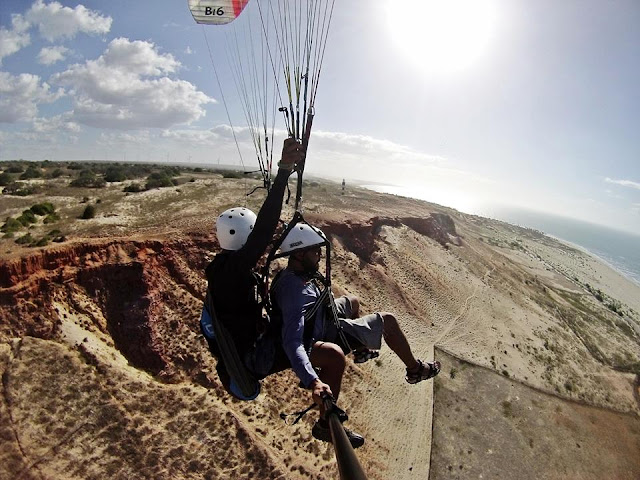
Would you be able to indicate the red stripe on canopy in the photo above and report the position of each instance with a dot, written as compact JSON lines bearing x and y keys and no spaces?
{"x":238,"y":6}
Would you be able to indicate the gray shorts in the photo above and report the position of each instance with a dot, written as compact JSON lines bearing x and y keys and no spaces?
{"x":367,"y":330}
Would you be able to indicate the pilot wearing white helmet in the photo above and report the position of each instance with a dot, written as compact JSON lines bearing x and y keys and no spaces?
{"x":243,"y":238}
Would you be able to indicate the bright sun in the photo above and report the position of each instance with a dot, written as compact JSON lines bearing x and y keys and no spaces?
{"x":442,"y":36}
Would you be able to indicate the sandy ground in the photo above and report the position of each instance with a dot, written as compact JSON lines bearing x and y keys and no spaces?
{"x":483,"y":421}
{"x":514,"y":309}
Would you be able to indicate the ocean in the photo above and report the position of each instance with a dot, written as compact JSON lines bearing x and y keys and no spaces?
{"x":621,"y":250}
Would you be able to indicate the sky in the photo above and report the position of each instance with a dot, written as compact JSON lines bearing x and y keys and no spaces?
{"x":475,"y":105}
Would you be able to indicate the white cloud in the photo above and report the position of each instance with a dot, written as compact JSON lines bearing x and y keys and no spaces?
{"x":59,"y":123}
{"x":192,"y":137}
{"x":128,"y":87}
{"x":11,"y":41}
{"x":51,"y":55}
{"x":142,"y":137}
{"x":20,"y":96}
{"x":189,"y":51}
{"x":55,"y":21}
{"x":624,"y":183}
{"x":219,"y":136}
{"x":138,"y":57}
{"x":364,"y":146}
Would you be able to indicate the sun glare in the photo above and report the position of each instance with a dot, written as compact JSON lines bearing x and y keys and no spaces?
{"x":442,"y":36}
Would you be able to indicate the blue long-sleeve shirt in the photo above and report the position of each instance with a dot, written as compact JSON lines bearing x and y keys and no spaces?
{"x":294,"y":295}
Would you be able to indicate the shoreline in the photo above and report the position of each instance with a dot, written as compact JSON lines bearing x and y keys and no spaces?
{"x":608,"y":263}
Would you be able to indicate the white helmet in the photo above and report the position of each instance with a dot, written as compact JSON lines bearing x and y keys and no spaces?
{"x":302,"y":236}
{"x":234,"y":226}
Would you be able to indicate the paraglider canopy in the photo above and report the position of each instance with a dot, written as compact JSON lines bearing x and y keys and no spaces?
{"x":216,"y":12}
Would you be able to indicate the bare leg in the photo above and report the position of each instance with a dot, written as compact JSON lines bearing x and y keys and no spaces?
{"x":397,"y":342}
{"x":355,"y":306}
{"x":330,"y":359}
{"x":355,"y":313}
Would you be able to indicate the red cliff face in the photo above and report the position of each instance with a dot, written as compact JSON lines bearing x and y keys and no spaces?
{"x":132,"y":291}
{"x":361,"y":238}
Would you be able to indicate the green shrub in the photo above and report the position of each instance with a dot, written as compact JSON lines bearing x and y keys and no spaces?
{"x":5,"y":179}
{"x":158,"y":180}
{"x":88,"y":179}
{"x":15,"y":169}
{"x":507,"y":408}
{"x":25,"y":239}
{"x":58,"y":172}
{"x":31,"y":172}
{"x":51,"y":218}
{"x":11,"y":225}
{"x":139,"y":171}
{"x":27,"y":218}
{"x":231,"y":174}
{"x":56,"y":236}
{"x":115,"y":174}
{"x":89,"y":212}
{"x":135,"y":187}
{"x":19,"y":189}
{"x":42,"y":242}
{"x":42,"y":209}
{"x":171,"y":171}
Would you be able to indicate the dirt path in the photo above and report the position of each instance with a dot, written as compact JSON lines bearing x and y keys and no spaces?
{"x":445,"y":336}
{"x":396,"y":417}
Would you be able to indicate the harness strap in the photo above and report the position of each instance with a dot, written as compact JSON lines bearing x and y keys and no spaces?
{"x":310,"y":319}
{"x":229,"y":353}
{"x":299,"y":414}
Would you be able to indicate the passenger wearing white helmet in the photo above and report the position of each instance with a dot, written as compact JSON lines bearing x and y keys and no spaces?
{"x":311,"y":340}
{"x":243,"y":238}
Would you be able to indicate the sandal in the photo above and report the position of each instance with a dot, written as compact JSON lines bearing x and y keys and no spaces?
{"x":425,"y":371}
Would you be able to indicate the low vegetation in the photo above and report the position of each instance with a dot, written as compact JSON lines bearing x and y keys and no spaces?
{"x":40,"y":212}
{"x":15,"y":176}
{"x":42,"y":222}
{"x":89,"y":212}
{"x":19,"y":189}
{"x":596,"y":328}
